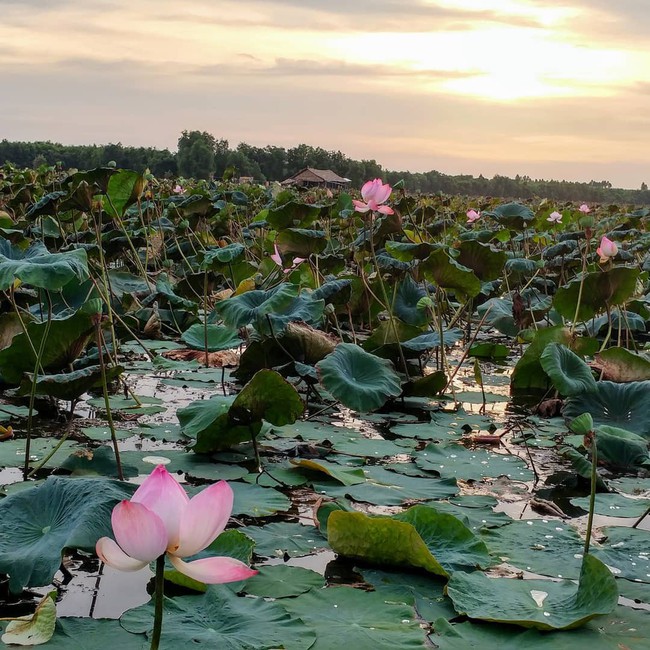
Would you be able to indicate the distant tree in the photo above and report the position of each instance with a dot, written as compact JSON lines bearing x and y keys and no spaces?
{"x":196,"y":154}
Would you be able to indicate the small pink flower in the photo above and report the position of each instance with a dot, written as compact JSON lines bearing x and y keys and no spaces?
{"x":277,"y":258}
{"x":584,"y":208}
{"x":374,"y":193}
{"x":606,"y":250}
{"x":554,"y":217}
{"x":178,"y":189}
{"x":472,"y":216}
{"x":161,"y":518}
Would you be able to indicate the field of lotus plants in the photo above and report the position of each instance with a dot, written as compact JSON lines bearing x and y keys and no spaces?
{"x":252,"y":417}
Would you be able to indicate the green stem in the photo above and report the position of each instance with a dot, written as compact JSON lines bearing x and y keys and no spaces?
{"x":205,"y":318}
{"x":592,"y":497}
{"x":387,"y":303}
{"x":107,"y":403}
{"x":32,"y":394}
{"x":159,"y":595}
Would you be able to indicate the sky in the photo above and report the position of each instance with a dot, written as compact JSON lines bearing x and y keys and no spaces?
{"x":545,"y":88}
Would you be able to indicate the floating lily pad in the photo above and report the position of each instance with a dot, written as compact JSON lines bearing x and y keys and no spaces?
{"x":626,"y":551}
{"x":540,"y":604}
{"x":220,"y":619}
{"x":281,"y":581}
{"x":347,"y":617}
{"x":280,"y":539}
{"x":391,"y":489}
{"x":546,"y":547}
{"x":258,"y":501}
{"x":450,"y":460}
{"x":625,"y":626}
{"x":614,"y":505}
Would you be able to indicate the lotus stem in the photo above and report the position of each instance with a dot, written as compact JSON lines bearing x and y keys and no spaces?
{"x":32,"y":393}
{"x":205,"y":318}
{"x":107,"y":403}
{"x":159,"y":595}
{"x":592,"y":496}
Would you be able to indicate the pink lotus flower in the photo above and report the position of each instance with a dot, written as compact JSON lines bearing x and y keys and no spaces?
{"x":161,"y":518}
{"x":472,"y":216}
{"x":178,"y":189}
{"x":554,"y":217}
{"x":277,"y":258}
{"x":606,"y":250}
{"x":374,"y":193}
{"x":584,"y":208}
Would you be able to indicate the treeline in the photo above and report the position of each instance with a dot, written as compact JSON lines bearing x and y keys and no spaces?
{"x":201,"y":155}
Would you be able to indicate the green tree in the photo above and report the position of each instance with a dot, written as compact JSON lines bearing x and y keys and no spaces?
{"x":195,"y":156}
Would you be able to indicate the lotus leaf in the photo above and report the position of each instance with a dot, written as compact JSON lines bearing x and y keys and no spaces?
{"x":359,"y":380}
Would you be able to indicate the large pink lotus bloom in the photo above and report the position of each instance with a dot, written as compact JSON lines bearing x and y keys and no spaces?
{"x":277,"y":258}
{"x":374,"y":193}
{"x":472,"y":216}
{"x":554,"y":217}
{"x":584,"y":208}
{"x":606,"y":250}
{"x":161,"y":518}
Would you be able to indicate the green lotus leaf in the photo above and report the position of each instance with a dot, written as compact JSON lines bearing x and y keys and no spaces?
{"x":600,"y":289}
{"x":529,"y":373}
{"x":67,"y":339}
{"x":238,"y":311}
{"x":39,"y":268}
{"x":431,"y":340}
{"x":355,"y":618}
{"x":278,"y":539}
{"x":293,"y":213}
{"x":625,"y":628}
{"x":221,"y":619}
{"x":568,"y":372}
{"x":421,"y":537}
{"x":359,"y":380}
{"x":268,"y":396}
{"x":447,"y":273}
{"x":69,"y":385}
{"x":512,"y":215}
{"x":618,"y":405}
{"x":37,"y":524}
{"x":124,"y":189}
{"x":218,"y":338}
{"x":301,"y":242}
{"x":486,"y":261}
{"x":218,"y":259}
{"x":283,"y":581}
{"x":405,"y":306}
{"x":539,"y":604}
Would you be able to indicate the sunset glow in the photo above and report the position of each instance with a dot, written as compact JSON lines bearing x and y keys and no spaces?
{"x":328,"y":73}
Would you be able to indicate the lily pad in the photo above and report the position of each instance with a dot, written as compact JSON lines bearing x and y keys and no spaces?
{"x":280,"y":539}
{"x":540,"y":604}
{"x":451,"y":460}
{"x":543,"y":546}
{"x":281,"y":581}
{"x":568,"y":372}
{"x":220,"y":619}
{"x":347,"y":617}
